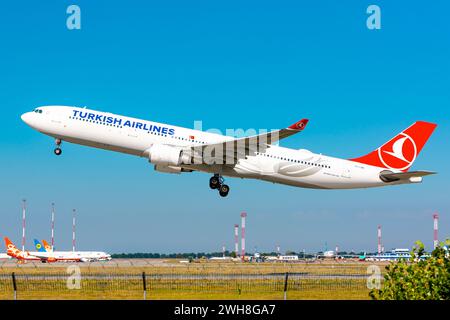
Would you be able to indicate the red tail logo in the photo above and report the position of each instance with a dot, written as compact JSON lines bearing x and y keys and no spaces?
{"x":400,"y":152}
{"x":11,"y":249}
{"x":300,"y":125}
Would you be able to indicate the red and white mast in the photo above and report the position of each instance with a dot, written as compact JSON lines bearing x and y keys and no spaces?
{"x":243,"y":216}
{"x":236,"y":239}
{"x":24,"y":209}
{"x":435,"y":222}
{"x":73,"y":231}
{"x":53,"y":226}
{"x":379,"y":239}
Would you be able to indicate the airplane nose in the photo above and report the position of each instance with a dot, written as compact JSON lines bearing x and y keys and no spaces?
{"x":26,"y":117}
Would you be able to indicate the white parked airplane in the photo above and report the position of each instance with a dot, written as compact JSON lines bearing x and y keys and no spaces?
{"x":4,"y":256}
{"x":54,"y":256}
{"x":174,"y":150}
{"x":329,"y":254}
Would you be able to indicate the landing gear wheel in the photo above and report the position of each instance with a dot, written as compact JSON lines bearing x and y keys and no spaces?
{"x":214,"y":182}
{"x":223,"y":190}
{"x":58,"y":150}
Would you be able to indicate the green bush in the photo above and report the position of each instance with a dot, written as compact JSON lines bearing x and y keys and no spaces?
{"x":420,"y":278}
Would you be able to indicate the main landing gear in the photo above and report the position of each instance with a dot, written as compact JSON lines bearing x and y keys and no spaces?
{"x":58,"y":150}
{"x":217,"y":182}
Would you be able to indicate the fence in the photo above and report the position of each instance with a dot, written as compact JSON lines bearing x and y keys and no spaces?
{"x":332,"y":284}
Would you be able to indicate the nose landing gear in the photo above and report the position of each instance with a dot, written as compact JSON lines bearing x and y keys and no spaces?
{"x":57,"y":150}
{"x":217,"y":182}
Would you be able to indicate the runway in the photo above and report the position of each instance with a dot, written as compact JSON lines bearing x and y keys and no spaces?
{"x":8,"y":263}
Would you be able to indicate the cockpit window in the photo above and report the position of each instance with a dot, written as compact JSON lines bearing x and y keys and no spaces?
{"x":37,"y":110}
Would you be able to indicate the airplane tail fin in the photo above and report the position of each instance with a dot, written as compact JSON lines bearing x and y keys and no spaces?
{"x":8,"y":243}
{"x":400,"y":152}
{"x":38,"y":246}
{"x":47,"y":247}
{"x":11,"y":249}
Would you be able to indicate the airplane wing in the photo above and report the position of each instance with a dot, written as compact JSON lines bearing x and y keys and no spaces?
{"x":411,"y":176}
{"x":231,"y":151}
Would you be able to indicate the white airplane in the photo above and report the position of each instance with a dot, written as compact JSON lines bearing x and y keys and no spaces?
{"x":175,"y":150}
{"x":54,"y":256}
{"x":329,"y":254}
{"x":4,"y":256}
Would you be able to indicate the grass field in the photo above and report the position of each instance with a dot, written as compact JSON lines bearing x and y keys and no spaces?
{"x":206,"y":280}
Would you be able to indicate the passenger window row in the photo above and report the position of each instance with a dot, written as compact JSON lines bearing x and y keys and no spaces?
{"x":293,"y":160}
{"x":97,"y":122}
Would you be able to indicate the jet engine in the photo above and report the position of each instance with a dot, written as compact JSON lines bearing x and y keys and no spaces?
{"x":163,"y":155}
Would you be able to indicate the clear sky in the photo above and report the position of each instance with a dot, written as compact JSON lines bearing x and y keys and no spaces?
{"x":232,"y":64}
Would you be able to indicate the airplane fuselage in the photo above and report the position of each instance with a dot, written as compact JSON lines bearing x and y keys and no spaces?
{"x":108,"y":131}
{"x":83,"y":256}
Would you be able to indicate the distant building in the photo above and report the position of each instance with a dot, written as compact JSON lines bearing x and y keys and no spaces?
{"x":220,"y":258}
{"x":288,"y":258}
{"x":393,"y":255}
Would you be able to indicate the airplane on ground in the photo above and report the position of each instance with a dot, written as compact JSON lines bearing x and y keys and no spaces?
{"x":329,"y":254}
{"x":4,"y":256}
{"x":44,"y":256}
{"x":173,"y":149}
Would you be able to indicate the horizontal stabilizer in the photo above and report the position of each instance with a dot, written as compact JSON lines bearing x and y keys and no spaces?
{"x":412,"y":176}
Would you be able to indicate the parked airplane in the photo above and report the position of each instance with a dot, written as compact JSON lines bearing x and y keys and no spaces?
{"x":175,"y":150}
{"x":329,"y":254}
{"x":44,"y":256}
{"x":4,"y":256}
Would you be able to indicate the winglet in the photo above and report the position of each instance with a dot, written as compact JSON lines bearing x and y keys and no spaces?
{"x":300,"y":125}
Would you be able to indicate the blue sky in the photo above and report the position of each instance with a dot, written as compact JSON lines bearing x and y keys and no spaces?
{"x":234,"y":64}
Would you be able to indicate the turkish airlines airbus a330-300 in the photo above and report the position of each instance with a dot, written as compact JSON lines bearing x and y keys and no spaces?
{"x":176,"y":150}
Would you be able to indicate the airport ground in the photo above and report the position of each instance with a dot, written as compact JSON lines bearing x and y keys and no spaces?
{"x":172,"y":279}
